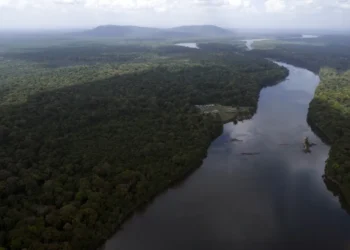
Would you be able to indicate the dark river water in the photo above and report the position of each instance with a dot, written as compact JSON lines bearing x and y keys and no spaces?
{"x":273,"y":200}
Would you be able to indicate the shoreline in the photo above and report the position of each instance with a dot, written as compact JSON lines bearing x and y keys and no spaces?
{"x":183,"y":177}
{"x":142,"y":205}
{"x":339,"y":186}
{"x":325,"y":139}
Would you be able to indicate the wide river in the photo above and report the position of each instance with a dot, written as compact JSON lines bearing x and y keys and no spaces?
{"x":273,"y":200}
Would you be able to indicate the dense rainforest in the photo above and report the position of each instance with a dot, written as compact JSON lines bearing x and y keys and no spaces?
{"x":89,"y":133}
{"x":309,"y":56}
{"x":330,"y":113}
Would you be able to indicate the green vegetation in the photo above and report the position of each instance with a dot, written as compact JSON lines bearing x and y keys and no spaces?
{"x":330,"y":113}
{"x":90,"y":133}
{"x":308,"y":56}
{"x":226,"y":113}
{"x":272,"y":44}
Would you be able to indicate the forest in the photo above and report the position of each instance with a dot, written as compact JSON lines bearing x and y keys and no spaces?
{"x":310,"y":56}
{"x":329,"y":112}
{"x":90,"y":133}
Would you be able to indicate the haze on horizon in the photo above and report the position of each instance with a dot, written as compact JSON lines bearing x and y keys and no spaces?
{"x":241,"y":14}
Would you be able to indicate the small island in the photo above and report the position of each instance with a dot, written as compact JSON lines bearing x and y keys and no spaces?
{"x":307,"y":145}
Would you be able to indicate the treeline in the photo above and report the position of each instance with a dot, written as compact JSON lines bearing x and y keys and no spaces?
{"x":41,"y":69}
{"x":91,"y":54}
{"x":311,"y":57}
{"x":329,"y":112}
{"x":82,"y":147}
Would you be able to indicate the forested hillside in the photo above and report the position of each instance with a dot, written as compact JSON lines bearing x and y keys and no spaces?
{"x":89,"y":134}
{"x":330,"y":113}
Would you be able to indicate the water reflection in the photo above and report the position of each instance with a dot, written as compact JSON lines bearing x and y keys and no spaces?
{"x":188,"y":45}
{"x":309,"y":36}
{"x":273,"y":200}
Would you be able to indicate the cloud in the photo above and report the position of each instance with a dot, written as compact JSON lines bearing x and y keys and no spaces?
{"x":68,"y":2}
{"x":4,"y":3}
{"x":305,"y":6}
{"x":269,"y":6}
{"x":209,"y":3}
{"x":344,"y":4}
{"x":119,"y":5}
{"x":275,"y":6}
{"x":156,"y":5}
{"x":239,"y":3}
{"x":230,"y":4}
{"x":163,"y":13}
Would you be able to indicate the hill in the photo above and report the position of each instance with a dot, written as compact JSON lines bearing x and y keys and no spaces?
{"x":203,"y":30}
{"x":146,"y":32}
{"x":121,"y":31}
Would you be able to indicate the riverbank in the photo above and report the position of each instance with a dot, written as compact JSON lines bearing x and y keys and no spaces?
{"x":330,"y":117}
{"x":91,"y":159}
{"x":279,"y":191}
{"x":328,"y":114}
{"x":216,"y":132}
{"x":244,"y":113}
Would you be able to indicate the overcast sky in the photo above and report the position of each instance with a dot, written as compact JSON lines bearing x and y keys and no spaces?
{"x":33,"y":14}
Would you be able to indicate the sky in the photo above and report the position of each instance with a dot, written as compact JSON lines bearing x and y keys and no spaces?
{"x":242,"y":14}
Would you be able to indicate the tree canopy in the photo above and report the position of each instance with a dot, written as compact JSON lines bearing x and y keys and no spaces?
{"x":312,"y":57}
{"x":88,"y":135}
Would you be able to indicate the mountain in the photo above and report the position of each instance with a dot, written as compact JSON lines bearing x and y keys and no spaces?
{"x":121,"y":31}
{"x":146,"y":32}
{"x":203,"y":30}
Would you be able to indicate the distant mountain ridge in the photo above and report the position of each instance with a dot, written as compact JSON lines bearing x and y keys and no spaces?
{"x":129,"y":31}
{"x":207,"y":29}
{"x":117,"y":30}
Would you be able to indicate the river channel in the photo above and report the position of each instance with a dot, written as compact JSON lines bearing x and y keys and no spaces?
{"x":275,"y":199}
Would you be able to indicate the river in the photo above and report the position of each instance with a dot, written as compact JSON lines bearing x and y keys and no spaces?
{"x":188,"y":45}
{"x":273,"y":200}
{"x":249,"y":42}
